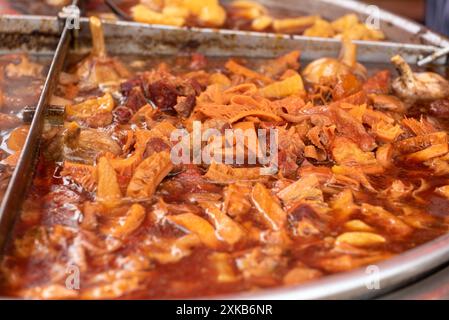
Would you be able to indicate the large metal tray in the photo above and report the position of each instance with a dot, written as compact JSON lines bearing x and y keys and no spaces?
{"x":40,"y":34}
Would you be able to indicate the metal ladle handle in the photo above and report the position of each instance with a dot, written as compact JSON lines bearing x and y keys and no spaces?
{"x":434,"y":56}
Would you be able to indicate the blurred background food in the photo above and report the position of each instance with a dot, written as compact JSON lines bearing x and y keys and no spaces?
{"x":238,"y":14}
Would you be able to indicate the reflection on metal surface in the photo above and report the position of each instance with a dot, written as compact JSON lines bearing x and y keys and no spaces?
{"x":433,"y":287}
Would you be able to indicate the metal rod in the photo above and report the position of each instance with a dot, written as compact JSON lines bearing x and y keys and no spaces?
{"x":23,"y":173}
{"x":433,"y":57}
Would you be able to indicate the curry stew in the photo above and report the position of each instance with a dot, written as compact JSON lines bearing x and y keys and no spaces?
{"x":362,"y":174}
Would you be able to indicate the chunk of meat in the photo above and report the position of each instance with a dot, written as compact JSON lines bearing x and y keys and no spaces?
{"x":148,"y":175}
{"x":440,"y":108}
{"x":135,"y":99}
{"x":191,"y":180}
{"x":164,"y":95}
{"x":155,"y":145}
{"x":185,"y":105}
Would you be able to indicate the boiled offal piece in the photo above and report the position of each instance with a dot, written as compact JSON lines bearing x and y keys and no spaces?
{"x":422,"y":86}
{"x":98,"y":68}
{"x":148,"y":175}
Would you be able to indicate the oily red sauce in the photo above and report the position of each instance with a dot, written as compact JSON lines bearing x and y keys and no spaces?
{"x":65,"y":222}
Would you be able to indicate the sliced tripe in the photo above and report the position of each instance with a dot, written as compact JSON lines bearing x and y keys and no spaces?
{"x":83,"y":174}
{"x":346,"y":152}
{"x":91,"y":108}
{"x":306,"y":188}
{"x":167,"y":250}
{"x":126,"y":166}
{"x":236,"y":199}
{"x":257,"y":113}
{"x":221,"y":173}
{"x":385,"y":220}
{"x":420,"y":142}
{"x":125,"y":225}
{"x":148,"y":175}
{"x":223,"y":265}
{"x":268,"y":206}
{"x":280,"y":89}
{"x":430,"y":153}
{"x":227,"y":229}
{"x":108,"y":188}
{"x":199,"y":226}
{"x":236,"y":68}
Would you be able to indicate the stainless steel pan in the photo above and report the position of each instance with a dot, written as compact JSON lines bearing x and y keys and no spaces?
{"x":41,"y":33}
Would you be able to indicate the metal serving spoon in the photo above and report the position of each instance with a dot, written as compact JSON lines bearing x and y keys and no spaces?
{"x":116,"y":9}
